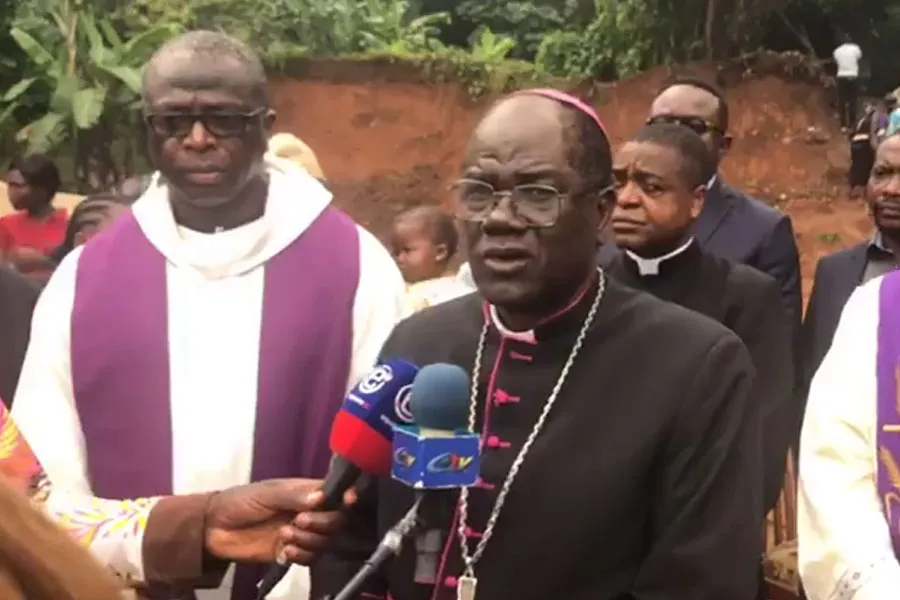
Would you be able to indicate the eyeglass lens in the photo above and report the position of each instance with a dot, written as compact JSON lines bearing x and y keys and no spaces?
{"x":538,"y":205}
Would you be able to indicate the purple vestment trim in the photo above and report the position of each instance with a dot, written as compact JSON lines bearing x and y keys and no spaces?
{"x":120,"y":359}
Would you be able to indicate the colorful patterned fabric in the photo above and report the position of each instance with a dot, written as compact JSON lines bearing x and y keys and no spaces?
{"x":111,"y":529}
{"x":17,"y":462}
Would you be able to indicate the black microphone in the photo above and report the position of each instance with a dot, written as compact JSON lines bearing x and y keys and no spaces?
{"x":435,"y":515}
{"x":360,"y":440}
{"x":389,"y":547}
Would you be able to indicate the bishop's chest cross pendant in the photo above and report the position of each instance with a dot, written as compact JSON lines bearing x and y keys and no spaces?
{"x":465,"y":588}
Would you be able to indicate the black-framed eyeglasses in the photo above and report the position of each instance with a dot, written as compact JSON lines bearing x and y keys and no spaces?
{"x":220,"y":123}
{"x":536,"y":205}
{"x":698,"y":125}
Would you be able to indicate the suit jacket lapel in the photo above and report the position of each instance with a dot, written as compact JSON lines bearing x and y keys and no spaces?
{"x":857,"y":263}
{"x":716,"y":208}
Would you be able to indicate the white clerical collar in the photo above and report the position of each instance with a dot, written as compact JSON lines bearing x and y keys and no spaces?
{"x":521,"y":336}
{"x":530,"y":336}
{"x":650,"y":266}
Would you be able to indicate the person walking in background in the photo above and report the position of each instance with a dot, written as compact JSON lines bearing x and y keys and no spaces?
{"x":847,"y":57}
{"x":424,"y":241}
{"x":29,"y":236}
{"x":867,"y":133}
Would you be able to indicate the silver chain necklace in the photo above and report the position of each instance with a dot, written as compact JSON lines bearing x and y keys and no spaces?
{"x":466,"y":585}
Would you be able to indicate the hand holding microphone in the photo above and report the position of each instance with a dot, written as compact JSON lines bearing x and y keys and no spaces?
{"x":360,"y":439}
{"x":241,"y":522}
{"x":434,"y":457}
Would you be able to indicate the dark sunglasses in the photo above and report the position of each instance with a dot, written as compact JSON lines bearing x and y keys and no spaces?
{"x":696,"y":124}
{"x":219,"y":123}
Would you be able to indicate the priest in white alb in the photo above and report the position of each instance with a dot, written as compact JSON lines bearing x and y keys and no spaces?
{"x":205,"y":339}
{"x":848,"y":521}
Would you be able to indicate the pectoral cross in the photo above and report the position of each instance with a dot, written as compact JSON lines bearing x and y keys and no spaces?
{"x":465,"y":588}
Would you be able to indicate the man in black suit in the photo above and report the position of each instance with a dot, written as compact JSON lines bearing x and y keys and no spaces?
{"x":732,"y":224}
{"x":838,"y":274}
{"x":18,"y":296}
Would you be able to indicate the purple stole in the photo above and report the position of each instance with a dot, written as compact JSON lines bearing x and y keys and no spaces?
{"x":888,"y":374}
{"x":120,"y":359}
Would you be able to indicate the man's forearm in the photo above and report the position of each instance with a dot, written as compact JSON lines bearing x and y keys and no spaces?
{"x":143,"y":541}
{"x":174,"y":547}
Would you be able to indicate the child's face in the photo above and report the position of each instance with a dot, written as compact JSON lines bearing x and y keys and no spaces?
{"x":418,"y":257}
{"x":101,"y":222}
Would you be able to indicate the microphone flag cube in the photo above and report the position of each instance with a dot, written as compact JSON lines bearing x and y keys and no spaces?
{"x":423,"y":462}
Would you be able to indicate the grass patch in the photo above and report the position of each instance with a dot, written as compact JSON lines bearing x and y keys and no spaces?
{"x":480,"y":78}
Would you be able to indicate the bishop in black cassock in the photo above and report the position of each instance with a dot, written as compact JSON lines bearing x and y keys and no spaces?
{"x":660,"y":176}
{"x":620,"y":447}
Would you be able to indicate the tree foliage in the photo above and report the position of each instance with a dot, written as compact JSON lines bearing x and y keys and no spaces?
{"x":73,"y":67}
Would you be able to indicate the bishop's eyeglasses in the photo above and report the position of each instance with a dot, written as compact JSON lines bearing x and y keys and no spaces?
{"x":536,"y":205}
{"x":219,"y":123}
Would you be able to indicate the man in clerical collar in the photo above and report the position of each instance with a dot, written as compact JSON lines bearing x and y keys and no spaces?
{"x":206,"y":338}
{"x":621,"y":448}
{"x":732,"y":224}
{"x":660,"y":179}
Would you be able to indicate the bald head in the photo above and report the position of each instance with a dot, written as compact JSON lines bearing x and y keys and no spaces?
{"x":206,"y":60}
{"x":692,"y":98}
{"x":552,"y":126}
{"x":502,"y":128}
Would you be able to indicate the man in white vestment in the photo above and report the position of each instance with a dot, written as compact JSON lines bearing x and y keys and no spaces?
{"x":848,"y":525}
{"x":206,"y":339}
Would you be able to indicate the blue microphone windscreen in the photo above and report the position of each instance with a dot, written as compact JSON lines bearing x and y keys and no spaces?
{"x":439,"y":398}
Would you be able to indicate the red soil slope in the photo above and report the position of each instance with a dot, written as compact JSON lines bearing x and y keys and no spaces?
{"x":385,"y":144}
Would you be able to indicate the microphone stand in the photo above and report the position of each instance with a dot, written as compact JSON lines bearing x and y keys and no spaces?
{"x":388,"y":548}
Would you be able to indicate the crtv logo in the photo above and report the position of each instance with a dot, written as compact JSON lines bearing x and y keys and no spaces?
{"x":404,"y":457}
{"x":449,"y":462}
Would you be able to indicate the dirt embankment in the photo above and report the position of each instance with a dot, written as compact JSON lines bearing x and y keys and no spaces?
{"x":385,"y":143}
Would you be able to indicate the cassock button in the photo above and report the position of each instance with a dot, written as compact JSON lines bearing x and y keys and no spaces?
{"x":450,"y":582}
{"x":495,"y":442}
{"x":503,"y":397}
{"x":484,"y":485}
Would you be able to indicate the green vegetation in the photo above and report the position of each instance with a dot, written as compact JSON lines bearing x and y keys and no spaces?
{"x":73,"y":66}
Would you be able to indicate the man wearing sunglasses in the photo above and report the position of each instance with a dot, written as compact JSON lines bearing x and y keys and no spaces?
{"x":206,"y":339}
{"x":732,"y":224}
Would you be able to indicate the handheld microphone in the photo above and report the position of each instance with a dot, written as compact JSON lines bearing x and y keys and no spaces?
{"x":438,"y":452}
{"x":360,"y":439}
{"x":436,"y":456}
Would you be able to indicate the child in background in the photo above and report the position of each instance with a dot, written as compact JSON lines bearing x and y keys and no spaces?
{"x":92,"y":215}
{"x":423,"y":242}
